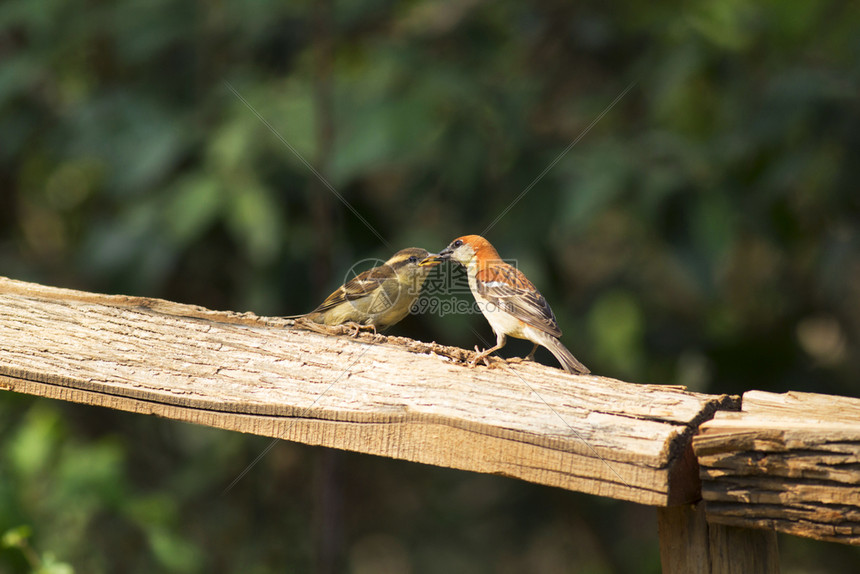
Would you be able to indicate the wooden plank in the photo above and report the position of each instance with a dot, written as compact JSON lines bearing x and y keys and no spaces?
{"x":789,"y":462}
{"x":689,"y":544}
{"x":388,"y":396}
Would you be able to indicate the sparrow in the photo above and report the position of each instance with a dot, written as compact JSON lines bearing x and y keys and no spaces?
{"x":377,"y":298}
{"x":509,"y":301}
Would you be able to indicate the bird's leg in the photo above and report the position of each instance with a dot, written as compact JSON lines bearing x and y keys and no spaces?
{"x":529,"y":357}
{"x":482,"y":356}
{"x":479,"y":356}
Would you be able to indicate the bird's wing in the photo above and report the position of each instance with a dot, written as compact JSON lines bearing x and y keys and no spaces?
{"x":361,"y":285}
{"x":507,"y":288}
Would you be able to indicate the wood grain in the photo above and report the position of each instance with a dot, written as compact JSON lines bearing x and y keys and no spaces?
{"x":689,"y":544}
{"x":388,"y":396}
{"x":789,"y":462}
{"x":684,"y":545}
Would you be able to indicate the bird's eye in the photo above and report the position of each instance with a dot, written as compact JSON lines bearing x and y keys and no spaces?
{"x":413,"y":259}
{"x":457,"y":243}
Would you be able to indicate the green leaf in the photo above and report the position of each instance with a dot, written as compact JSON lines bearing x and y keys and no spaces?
{"x":616,"y":323}
{"x":50,"y":565}
{"x":253,"y":217}
{"x":194,"y":203}
{"x":33,"y":447}
{"x":16,"y":537}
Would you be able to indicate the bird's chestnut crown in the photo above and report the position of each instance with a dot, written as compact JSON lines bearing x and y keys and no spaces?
{"x":463,"y":250}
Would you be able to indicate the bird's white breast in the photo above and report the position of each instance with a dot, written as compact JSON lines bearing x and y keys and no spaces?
{"x":500,"y":320}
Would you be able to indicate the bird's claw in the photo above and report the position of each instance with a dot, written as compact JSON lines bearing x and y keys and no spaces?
{"x":474,"y":362}
{"x":481,"y":356}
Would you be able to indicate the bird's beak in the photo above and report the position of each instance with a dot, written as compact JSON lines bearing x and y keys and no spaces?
{"x":432,"y":260}
{"x":445,"y":254}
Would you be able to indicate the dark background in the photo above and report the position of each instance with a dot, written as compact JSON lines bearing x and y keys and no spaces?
{"x":704,"y":232}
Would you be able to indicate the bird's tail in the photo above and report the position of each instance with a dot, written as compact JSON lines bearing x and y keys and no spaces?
{"x":570,"y":363}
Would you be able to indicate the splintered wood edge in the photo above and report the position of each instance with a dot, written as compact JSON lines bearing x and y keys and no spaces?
{"x":685,"y":484}
{"x":747,"y":518}
{"x":798,"y":434}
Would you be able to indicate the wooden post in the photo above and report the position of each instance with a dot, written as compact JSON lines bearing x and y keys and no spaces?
{"x":691,"y":545}
{"x":683,"y":540}
{"x":736,"y":550}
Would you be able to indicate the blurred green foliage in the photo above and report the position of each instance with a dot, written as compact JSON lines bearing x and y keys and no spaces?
{"x":703,"y":232}
{"x":44,"y":564}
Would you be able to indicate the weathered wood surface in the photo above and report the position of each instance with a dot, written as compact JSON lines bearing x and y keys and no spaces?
{"x":689,"y":544}
{"x":683,"y":540}
{"x":387,"y":396}
{"x":789,"y":462}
